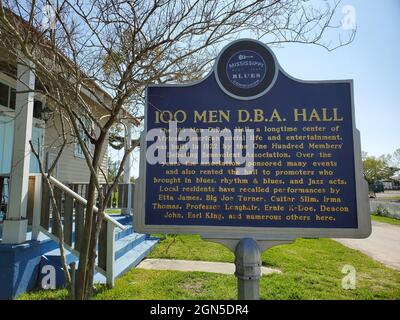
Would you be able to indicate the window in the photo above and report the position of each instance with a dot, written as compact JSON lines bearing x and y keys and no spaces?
{"x":13,"y":96}
{"x":8,"y":98}
{"x":37,"y":109}
{"x":78,"y":152}
{"x":4,"y":95}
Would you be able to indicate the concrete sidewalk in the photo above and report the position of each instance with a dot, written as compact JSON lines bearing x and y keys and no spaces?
{"x":382,"y":245}
{"x":190,"y":265}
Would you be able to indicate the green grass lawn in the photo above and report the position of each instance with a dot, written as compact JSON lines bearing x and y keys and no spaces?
{"x":311,"y":270}
{"x":113,"y":211}
{"x":385,"y":219}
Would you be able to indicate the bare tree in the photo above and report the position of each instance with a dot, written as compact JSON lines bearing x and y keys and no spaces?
{"x":395,"y":161}
{"x":120,"y":46}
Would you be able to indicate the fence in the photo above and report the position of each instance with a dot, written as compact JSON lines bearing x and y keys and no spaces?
{"x":71,"y":201}
{"x":387,"y":208}
{"x":72,"y":210}
{"x":119,"y":198}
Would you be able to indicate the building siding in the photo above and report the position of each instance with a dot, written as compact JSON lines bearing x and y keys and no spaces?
{"x":70,"y":168}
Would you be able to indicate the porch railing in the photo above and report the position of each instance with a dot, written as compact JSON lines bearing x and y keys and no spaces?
{"x":119,"y":197}
{"x":72,"y":207}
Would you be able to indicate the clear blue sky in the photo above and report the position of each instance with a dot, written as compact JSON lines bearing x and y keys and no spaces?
{"x":372,"y":60}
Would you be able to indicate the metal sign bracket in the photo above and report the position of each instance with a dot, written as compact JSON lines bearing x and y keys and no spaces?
{"x":247,"y":262}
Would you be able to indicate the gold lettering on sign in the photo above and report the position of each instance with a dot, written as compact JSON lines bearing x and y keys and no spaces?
{"x":296,"y":178}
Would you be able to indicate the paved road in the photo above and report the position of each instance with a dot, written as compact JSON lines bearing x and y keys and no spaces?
{"x":382,"y":245}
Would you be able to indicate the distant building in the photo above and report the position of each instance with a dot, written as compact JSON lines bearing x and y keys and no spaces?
{"x":387,"y":184}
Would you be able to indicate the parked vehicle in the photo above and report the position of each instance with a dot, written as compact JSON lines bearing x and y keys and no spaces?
{"x":376,"y":187}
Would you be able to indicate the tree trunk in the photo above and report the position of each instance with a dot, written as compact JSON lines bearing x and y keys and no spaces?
{"x":87,"y":245}
{"x":92,"y":255}
{"x":87,"y":256}
{"x":80,"y":288}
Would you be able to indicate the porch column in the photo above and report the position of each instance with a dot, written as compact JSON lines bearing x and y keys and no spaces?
{"x":127,"y":167}
{"x":15,"y":225}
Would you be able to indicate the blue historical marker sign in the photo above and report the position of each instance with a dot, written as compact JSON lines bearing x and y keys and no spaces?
{"x":302,"y":177}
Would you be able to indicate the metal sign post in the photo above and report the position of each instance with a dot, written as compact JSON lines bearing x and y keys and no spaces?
{"x":248,"y":269}
{"x":247,"y":262}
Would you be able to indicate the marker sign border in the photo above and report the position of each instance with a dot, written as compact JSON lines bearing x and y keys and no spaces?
{"x":259,"y":233}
